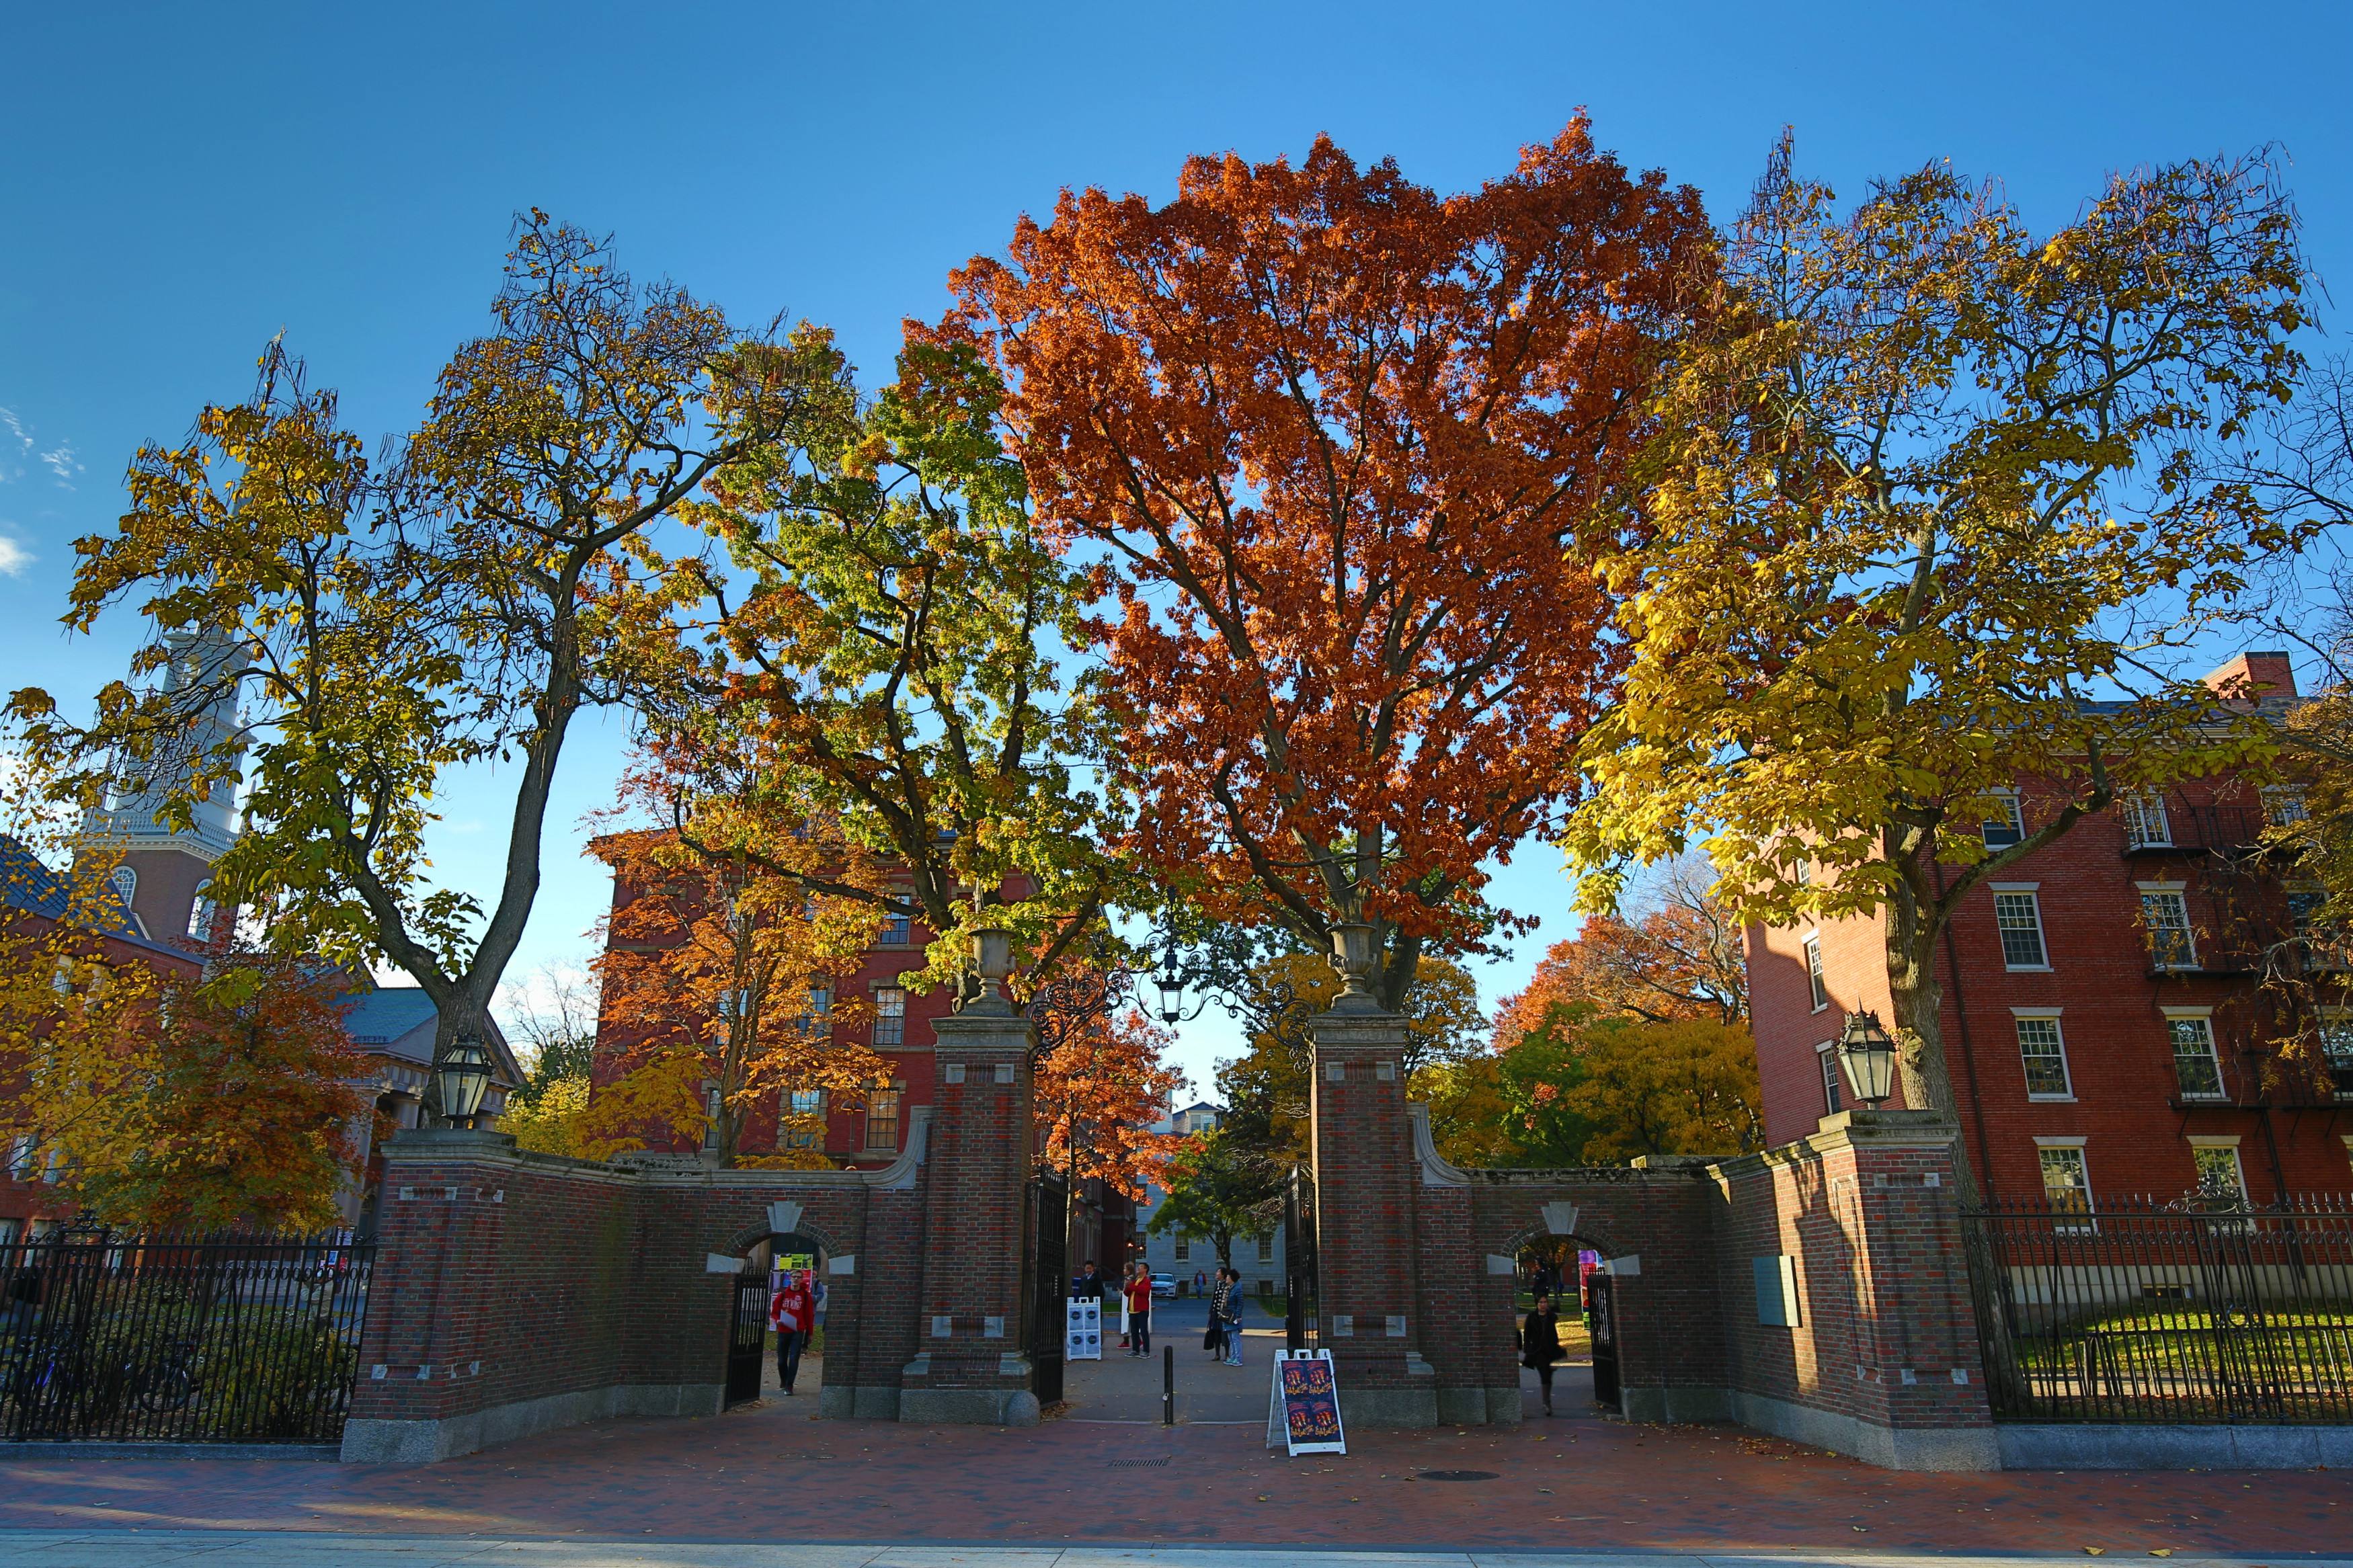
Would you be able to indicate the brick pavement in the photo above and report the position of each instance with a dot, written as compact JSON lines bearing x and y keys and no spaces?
{"x":771,"y":1472}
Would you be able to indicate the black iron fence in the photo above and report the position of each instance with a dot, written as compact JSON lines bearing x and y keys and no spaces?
{"x":187,"y":1339}
{"x":2167,"y":1313}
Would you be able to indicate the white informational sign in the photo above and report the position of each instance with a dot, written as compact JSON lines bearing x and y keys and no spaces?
{"x":1303,"y":1406}
{"x":1083,"y":1339}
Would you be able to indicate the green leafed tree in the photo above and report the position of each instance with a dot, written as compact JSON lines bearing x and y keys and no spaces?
{"x":457,"y":605}
{"x":883,"y":670}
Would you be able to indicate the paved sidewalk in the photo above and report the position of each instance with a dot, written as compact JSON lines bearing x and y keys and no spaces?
{"x":48,"y":1551}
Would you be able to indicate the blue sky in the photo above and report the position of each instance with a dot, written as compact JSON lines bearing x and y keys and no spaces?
{"x":177,"y":183}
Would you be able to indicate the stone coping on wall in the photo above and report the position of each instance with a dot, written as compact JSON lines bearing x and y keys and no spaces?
{"x":1847,"y":1129}
{"x":449,"y":1145}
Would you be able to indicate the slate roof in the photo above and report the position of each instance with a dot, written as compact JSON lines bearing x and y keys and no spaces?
{"x":27,"y":883}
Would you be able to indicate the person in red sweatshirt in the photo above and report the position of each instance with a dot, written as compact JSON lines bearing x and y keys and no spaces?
{"x":1139,"y":1311}
{"x":792,"y":1312}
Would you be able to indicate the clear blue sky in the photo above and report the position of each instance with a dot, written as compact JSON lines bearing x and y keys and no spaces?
{"x":177,"y":183}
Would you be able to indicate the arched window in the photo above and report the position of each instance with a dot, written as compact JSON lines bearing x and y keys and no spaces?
{"x":200,"y":914}
{"x":126,"y":884}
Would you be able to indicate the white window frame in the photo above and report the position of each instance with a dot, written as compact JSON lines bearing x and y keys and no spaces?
{"x":897,"y":1089}
{"x":2136,"y":810}
{"x":2076,"y":1144}
{"x":2283,"y":805}
{"x":2203,"y":1015}
{"x":1833,"y":1089}
{"x":1817,"y":980}
{"x":2031,"y":893}
{"x":2341,"y":1017}
{"x":897,"y":1026}
{"x":2066,"y":1072}
{"x":2013,"y":821}
{"x":2180,"y":893}
{"x":2206,"y":1142}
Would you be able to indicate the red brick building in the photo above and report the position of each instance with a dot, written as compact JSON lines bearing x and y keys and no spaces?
{"x":899,"y":1027}
{"x":2105,"y":1018}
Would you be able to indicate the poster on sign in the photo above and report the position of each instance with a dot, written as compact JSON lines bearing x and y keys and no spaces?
{"x":1083,"y":1339}
{"x":1305,"y":1404}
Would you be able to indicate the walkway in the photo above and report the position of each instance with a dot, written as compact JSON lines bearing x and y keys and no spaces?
{"x":771,"y":1474}
{"x":1125,"y":1388}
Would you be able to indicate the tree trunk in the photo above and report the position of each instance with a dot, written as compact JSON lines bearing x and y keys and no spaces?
{"x":1919,"y":998}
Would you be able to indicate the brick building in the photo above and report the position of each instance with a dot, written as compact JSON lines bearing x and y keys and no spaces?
{"x":2106,"y":1018}
{"x":903,"y":1027}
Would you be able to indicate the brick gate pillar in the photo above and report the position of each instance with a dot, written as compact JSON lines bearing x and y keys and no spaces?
{"x":1364,"y":1170}
{"x":970,"y":1365}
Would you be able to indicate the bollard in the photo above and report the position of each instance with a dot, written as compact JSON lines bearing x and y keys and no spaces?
{"x":1168,"y":1386}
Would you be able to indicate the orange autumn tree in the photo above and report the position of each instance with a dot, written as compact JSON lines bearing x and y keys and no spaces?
{"x":1680,"y":958}
{"x":1338,"y":435}
{"x":242,"y":1108}
{"x":1097,"y":1094}
{"x":719,"y":976}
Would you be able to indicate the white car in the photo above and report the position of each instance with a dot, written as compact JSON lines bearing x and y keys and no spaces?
{"x":1164,"y":1285}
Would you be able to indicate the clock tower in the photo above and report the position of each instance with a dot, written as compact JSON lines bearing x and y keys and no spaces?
{"x":163,"y":871}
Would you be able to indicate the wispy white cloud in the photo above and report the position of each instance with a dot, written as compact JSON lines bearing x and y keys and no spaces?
{"x":14,"y":557}
{"x":17,"y":446}
{"x":62,"y":463}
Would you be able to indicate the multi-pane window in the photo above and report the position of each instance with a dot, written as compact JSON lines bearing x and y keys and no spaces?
{"x":2166,"y":916}
{"x":2019,"y":919}
{"x":2006,"y":825}
{"x":805,"y":1108}
{"x":1828,"y":1057}
{"x":882,"y":1117}
{"x":1184,"y":1248}
{"x":2044,"y":1054}
{"x":2065,"y":1184}
{"x":898,"y":929}
{"x":2337,"y":1049}
{"x":2145,"y":826}
{"x":711,"y":1116}
{"x":2284,"y":806}
{"x":818,"y":1019}
{"x":1814,"y":973}
{"x":2220,"y":1184}
{"x":889,"y":1016}
{"x":2195,"y":1066}
{"x":1266,"y":1249}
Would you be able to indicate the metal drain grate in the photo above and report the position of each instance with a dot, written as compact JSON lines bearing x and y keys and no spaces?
{"x":1138,"y":1464}
{"x":1457,"y":1474}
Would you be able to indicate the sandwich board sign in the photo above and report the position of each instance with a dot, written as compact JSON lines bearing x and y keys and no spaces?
{"x":1083,"y":1336}
{"x":1306,"y":1402}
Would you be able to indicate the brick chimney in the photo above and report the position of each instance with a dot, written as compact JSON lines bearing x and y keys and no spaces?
{"x":2255,"y":677}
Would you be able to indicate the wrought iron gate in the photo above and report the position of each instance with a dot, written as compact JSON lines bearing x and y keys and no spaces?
{"x":1601,"y":1292}
{"x":1300,"y":1311}
{"x":747,"y":1337}
{"x":1045,"y":1279}
{"x":181,"y":1339}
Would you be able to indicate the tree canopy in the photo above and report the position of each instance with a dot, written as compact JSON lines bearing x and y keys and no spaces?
{"x":1922,"y":522}
{"x":1339,"y":437}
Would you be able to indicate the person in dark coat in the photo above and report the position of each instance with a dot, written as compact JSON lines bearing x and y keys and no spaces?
{"x":1540,"y":1344}
{"x":1089,"y":1285}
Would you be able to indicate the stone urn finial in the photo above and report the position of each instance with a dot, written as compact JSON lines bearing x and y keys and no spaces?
{"x":992,"y":960}
{"x":1352,"y":955}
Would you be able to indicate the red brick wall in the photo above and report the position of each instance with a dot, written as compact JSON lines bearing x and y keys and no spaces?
{"x":1883,"y":1287}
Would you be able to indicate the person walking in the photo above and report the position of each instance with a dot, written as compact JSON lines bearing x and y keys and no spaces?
{"x":1139,"y":1311}
{"x":792,"y":1312}
{"x":1540,"y":1344}
{"x":1200,"y":1283}
{"x":1234,"y":1317}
